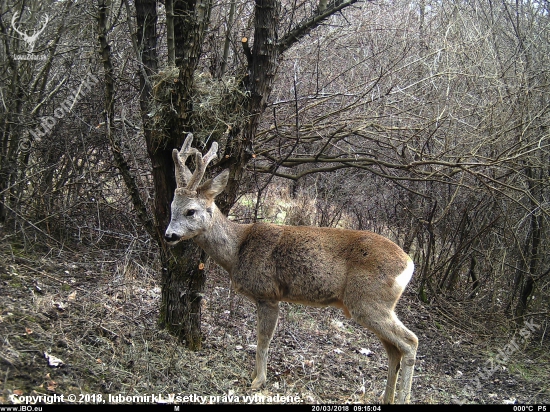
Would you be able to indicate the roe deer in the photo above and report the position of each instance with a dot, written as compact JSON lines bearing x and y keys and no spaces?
{"x":360,"y":272}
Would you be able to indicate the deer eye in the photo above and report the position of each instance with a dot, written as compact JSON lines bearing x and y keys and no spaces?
{"x":190,"y":212}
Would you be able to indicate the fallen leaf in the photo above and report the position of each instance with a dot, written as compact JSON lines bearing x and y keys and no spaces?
{"x":18,"y":392}
{"x":52,"y":385}
{"x":72,"y":296}
{"x":366,"y":352}
{"x":53,"y":361}
{"x":336,"y":324}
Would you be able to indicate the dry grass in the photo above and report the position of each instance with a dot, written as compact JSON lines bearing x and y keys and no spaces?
{"x":97,"y":312}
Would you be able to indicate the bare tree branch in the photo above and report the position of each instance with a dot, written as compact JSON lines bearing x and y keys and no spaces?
{"x":305,"y":27}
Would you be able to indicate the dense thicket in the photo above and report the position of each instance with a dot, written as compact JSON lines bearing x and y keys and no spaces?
{"x":425,"y":121}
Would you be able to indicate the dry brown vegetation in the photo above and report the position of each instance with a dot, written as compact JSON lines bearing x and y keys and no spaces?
{"x":97,"y":312}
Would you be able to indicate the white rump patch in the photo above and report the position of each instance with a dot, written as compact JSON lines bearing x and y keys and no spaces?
{"x":403,"y":279}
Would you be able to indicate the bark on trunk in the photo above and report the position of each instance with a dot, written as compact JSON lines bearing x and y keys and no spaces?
{"x":263,"y":62}
{"x":532,"y":248}
{"x":183,"y":280}
{"x":182,"y":274}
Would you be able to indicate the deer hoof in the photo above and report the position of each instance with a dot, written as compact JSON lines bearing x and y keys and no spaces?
{"x":257,"y":383}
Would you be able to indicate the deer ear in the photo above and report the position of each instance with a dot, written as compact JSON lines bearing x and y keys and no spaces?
{"x":213,"y":187}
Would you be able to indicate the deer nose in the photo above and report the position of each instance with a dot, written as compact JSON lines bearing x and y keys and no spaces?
{"x":171,"y":237}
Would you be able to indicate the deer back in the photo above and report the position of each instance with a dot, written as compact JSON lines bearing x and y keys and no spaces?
{"x":313,"y":265}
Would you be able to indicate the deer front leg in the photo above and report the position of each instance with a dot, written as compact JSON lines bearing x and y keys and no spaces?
{"x":268,"y":313}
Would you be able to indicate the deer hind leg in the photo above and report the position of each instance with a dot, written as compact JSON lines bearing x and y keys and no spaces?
{"x":268,"y":313}
{"x":400,"y":344}
{"x":406,"y":342}
{"x":394,"y":363}
{"x":409,"y":358}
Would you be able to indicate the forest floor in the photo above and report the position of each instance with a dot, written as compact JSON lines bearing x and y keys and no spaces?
{"x":96,"y":312}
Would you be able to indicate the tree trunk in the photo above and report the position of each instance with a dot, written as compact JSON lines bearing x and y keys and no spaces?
{"x":532,"y":248}
{"x":182,"y":273}
{"x":183,"y":280}
{"x":263,"y":63}
{"x":170,"y":41}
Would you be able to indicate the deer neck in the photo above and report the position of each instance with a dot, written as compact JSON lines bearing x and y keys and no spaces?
{"x":222,"y":240}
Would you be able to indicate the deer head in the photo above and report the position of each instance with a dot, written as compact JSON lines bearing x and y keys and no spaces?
{"x":30,"y":40}
{"x":193,"y":204}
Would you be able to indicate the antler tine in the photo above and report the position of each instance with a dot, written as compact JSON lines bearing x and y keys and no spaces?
{"x":201,"y":164}
{"x":183,"y":174}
